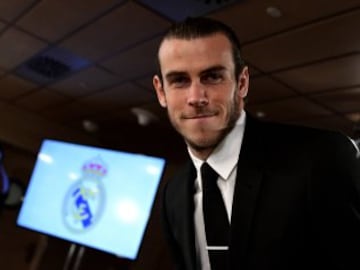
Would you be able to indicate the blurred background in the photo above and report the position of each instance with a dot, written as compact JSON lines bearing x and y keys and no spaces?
{"x":81,"y":71}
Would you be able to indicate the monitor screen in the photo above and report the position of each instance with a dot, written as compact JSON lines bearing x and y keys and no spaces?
{"x":91,"y":196}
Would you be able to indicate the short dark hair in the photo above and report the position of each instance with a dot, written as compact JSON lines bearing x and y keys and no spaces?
{"x":197,"y":27}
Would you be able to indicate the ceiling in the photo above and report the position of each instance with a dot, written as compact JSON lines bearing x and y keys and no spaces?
{"x":304,"y":65}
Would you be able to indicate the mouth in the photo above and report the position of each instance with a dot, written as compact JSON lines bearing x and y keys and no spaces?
{"x":199,"y":116}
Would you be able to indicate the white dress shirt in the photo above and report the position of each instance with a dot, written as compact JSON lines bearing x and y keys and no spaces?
{"x":224,"y":161}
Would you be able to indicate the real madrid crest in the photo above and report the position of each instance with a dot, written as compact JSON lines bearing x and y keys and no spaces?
{"x":84,"y":202}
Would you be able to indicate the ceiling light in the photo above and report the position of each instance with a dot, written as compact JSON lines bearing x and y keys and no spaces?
{"x":144,"y":117}
{"x":355,"y":117}
{"x":273,"y":12}
{"x":260,"y":114}
{"x":89,"y":126}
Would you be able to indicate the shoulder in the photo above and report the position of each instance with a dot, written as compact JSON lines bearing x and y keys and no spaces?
{"x":288,"y":142}
{"x":292,"y":134}
{"x":328,"y":158}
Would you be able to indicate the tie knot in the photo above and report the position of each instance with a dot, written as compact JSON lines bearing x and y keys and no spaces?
{"x":208,"y":175}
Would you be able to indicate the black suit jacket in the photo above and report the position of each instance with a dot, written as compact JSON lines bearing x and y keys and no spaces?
{"x":296,"y":202}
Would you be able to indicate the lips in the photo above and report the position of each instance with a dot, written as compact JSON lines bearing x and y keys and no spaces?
{"x":199,"y":115}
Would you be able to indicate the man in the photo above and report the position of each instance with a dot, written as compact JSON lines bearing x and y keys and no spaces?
{"x":291,"y":194}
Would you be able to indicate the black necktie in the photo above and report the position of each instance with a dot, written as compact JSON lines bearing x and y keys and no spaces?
{"x":217,"y":226}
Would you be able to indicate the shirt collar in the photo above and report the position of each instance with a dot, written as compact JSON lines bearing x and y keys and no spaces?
{"x":225,"y":156}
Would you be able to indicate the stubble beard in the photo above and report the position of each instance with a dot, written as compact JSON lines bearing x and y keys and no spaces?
{"x":209,"y":144}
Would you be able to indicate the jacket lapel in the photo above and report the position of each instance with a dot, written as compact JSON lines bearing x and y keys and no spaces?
{"x":248,"y":180}
{"x":186,"y":206}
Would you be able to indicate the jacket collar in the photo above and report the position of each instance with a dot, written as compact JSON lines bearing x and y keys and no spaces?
{"x":248,"y":180}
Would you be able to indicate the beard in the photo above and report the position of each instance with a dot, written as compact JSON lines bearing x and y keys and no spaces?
{"x":210,"y":142}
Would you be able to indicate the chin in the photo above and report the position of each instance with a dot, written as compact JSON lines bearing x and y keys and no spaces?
{"x":201,"y":143}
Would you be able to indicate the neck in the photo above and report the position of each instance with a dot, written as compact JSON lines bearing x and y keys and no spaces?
{"x":202,"y":153}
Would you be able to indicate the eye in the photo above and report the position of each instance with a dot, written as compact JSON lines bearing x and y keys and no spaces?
{"x":212,"y":77}
{"x":179,"y":81}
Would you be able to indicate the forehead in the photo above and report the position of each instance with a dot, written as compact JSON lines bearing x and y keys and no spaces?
{"x":176,"y":53}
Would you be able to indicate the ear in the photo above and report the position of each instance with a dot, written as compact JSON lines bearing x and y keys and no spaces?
{"x":160,"y":93}
{"x":243,"y":82}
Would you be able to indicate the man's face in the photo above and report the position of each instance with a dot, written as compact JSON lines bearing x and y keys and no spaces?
{"x":199,"y":89}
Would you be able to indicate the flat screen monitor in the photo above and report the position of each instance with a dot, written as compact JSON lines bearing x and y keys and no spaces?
{"x":91,"y":196}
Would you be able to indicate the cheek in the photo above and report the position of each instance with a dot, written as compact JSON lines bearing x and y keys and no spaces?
{"x":227,"y":102}
{"x":230,"y":106}
{"x":175,"y":102}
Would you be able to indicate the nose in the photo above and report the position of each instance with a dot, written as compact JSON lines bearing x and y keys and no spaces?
{"x":197,"y":95}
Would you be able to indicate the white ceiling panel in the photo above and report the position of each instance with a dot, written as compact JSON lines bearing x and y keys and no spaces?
{"x":44,"y":20}
{"x":335,"y":73}
{"x":332,"y":37}
{"x":126,"y":26}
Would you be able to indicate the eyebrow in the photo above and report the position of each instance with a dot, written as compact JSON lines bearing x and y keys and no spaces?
{"x":172,"y":74}
{"x":217,"y":68}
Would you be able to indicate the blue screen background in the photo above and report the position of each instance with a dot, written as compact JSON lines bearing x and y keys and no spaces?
{"x":127,"y":194}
